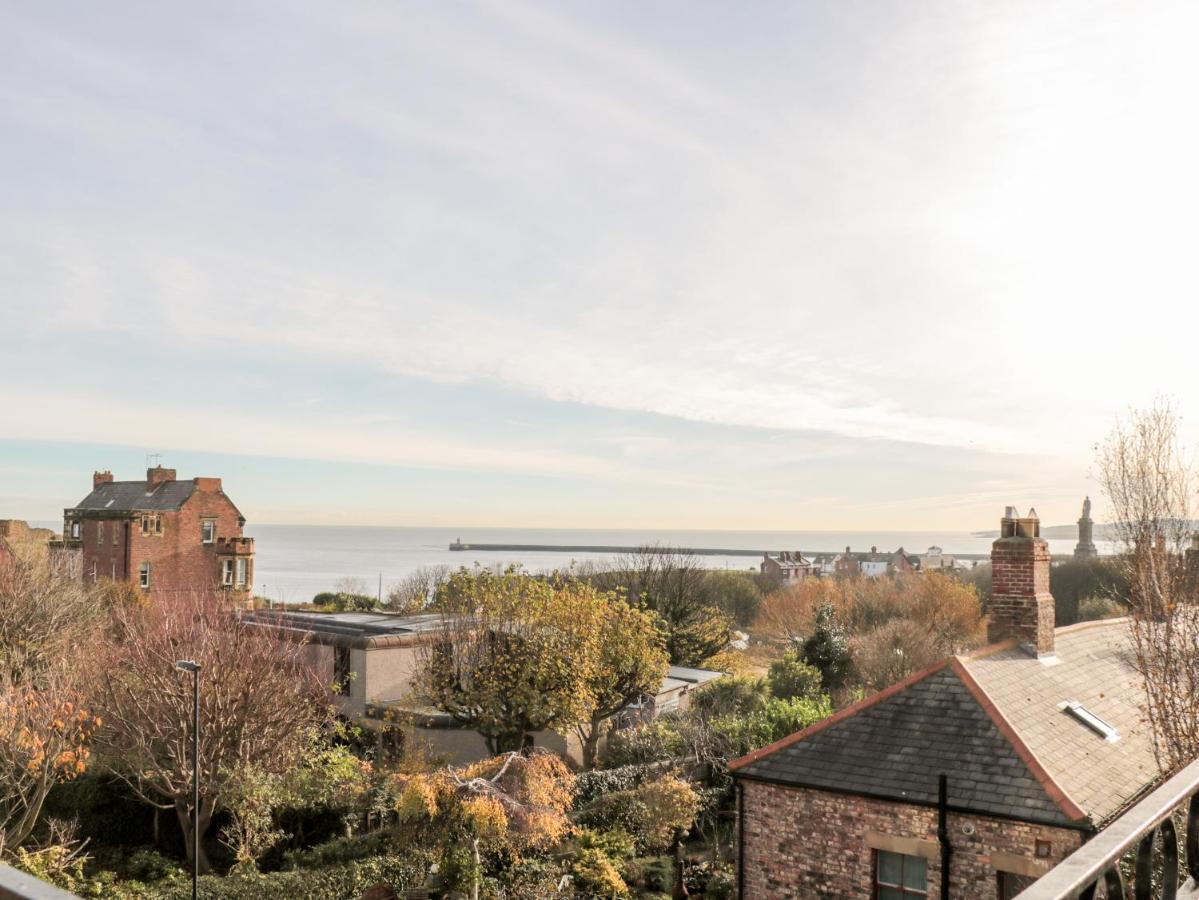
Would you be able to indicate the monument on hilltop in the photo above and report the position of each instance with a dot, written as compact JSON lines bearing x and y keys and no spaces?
{"x":1086,"y":544}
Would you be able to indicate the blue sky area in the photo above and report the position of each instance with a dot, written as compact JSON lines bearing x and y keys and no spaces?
{"x":825,"y":266}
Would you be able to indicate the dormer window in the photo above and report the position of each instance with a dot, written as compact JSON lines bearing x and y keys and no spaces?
{"x":207,"y":531}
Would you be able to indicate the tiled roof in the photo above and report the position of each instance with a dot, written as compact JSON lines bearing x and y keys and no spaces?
{"x":895,"y":745}
{"x":994,"y":723}
{"x":137,"y":496}
{"x":1090,"y":668}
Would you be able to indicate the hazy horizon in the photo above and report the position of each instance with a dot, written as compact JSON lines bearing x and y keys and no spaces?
{"x":827,"y":267}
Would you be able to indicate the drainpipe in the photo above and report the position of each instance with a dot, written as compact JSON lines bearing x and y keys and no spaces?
{"x":943,"y":832}
{"x":740,"y":840}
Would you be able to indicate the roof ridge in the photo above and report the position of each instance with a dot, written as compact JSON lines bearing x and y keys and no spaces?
{"x":1039,"y":773}
{"x":989,"y":649}
{"x":1090,"y":623}
{"x":840,"y":715}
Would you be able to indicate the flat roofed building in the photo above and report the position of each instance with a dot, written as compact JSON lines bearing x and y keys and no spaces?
{"x":375,"y":656}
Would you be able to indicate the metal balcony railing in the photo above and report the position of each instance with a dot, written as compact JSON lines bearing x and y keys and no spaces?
{"x":1093,"y":870}
{"x":18,"y":885}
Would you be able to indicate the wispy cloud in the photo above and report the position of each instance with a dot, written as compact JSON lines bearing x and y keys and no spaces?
{"x":948,"y":229}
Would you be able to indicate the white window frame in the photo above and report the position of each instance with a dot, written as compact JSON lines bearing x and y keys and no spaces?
{"x":227,"y":572}
{"x":144,"y":575}
{"x":208,"y":531}
{"x":242,"y":568}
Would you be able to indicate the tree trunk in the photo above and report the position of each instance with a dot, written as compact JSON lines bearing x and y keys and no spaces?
{"x":184,"y":813}
{"x":477,"y":875}
{"x":590,"y":738}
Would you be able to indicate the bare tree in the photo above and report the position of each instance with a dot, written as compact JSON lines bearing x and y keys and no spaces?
{"x":48,"y":625}
{"x":677,"y":587}
{"x":260,"y":703}
{"x":416,"y":591}
{"x":1149,"y":484}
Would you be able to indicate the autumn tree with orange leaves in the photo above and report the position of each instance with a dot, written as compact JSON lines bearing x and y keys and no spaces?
{"x":515,"y":802}
{"x":46,"y":626}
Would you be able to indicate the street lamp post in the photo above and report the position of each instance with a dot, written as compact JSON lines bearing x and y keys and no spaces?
{"x":188,"y":665}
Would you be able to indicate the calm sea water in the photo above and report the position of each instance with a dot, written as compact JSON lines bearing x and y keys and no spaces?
{"x":296,"y":561}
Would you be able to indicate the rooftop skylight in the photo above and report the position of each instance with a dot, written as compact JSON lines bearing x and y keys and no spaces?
{"x":1080,"y":713}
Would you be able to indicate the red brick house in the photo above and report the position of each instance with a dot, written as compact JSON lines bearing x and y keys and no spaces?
{"x":1039,"y":737}
{"x":167,"y":536}
{"x":788,"y":566}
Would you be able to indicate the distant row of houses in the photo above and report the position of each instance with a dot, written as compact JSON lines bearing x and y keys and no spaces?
{"x":791,"y":565}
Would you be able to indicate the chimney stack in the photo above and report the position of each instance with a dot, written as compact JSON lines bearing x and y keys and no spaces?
{"x":158,"y":475}
{"x":99,"y":478}
{"x":1021,"y":605}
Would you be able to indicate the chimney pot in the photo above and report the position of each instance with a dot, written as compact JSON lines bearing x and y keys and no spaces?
{"x":99,"y":478}
{"x":1021,"y":605}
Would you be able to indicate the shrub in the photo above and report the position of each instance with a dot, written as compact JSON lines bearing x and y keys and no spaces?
{"x":652,"y":813}
{"x":342,"y":850}
{"x":713,"y":881}
{"x":147,"y":864}
{"x":791,"y":677}
{"x":595,"y":873}
{"x":341,"y":601}
{"x":615,"y":843}
{"x":652,"y":742}
{"x":594,"y":784}
{"x":1092,"y":608}
{"x":334,"y":883}
{"x":786,"y":716}
{"x":657,"y":873}
{"x":736,"y":695}
{"x":828,"y":648}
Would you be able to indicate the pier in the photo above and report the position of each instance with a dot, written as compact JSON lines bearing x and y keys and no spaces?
{"x":460,"y":546}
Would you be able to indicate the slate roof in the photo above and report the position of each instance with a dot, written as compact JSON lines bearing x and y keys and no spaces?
{"x":137,"y":496}
{"x":1090,"y":667}
{"x":994,"y":722}
{"x":895,"y":744}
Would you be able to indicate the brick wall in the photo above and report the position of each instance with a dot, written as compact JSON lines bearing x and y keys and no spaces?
{"x":804,"y":844}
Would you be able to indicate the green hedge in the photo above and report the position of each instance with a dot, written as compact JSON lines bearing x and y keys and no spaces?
{"x":334,"y":883}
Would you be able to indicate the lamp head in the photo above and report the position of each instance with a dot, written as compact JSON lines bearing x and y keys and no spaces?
{"x":187,"y":665}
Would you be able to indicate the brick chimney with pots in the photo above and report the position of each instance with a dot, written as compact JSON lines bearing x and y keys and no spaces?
{"x":99,"y":478}
{"x":158,"y":475}
{"x":1021,"y":605}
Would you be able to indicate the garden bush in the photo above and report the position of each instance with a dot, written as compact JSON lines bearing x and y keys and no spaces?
{"x":792,"y":677}
{"x":648,"y":743}
{"x":333,"y":883}
{"x":596,"y":875}
{"x":652,"y":813}
{"x":594,"y":784}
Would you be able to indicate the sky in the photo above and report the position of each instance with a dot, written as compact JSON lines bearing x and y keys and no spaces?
{"x":677,"y":265}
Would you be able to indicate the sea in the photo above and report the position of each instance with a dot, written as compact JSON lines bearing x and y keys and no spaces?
{"x":295,"y":562}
